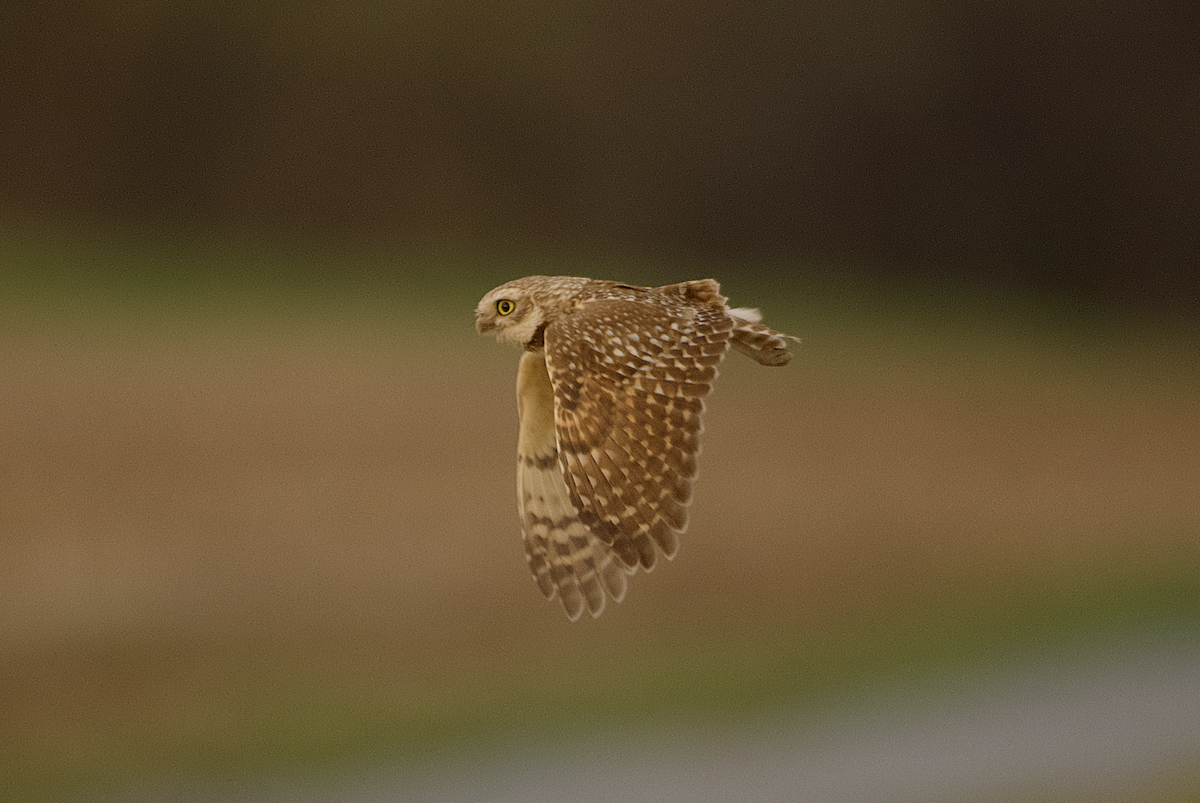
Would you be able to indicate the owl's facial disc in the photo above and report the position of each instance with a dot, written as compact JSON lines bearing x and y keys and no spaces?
{"x":510,"y":317}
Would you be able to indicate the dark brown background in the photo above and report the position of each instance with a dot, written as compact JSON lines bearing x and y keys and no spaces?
{"x":1051,"y":146}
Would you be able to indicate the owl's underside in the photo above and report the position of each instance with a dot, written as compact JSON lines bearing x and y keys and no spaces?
{"x":609,"y":393}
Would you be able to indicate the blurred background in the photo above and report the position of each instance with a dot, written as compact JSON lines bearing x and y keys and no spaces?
{"x":257,"y":530}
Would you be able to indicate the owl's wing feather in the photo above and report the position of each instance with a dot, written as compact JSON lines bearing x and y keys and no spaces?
{"x":628,"y":378}
{"x":566,"y":558}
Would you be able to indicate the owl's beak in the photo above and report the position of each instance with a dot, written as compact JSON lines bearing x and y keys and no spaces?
{"x":482,"y":324}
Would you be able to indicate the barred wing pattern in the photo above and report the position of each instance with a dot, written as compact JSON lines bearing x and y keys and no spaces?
{"x":566,"y":559}
{"x":629,"y":377}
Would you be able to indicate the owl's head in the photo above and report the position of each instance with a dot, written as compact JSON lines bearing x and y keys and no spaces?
{"x":511,"y":313}
{"x":519,"y":311}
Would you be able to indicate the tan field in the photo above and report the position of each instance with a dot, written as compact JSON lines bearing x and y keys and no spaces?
{"x":244,"y":543}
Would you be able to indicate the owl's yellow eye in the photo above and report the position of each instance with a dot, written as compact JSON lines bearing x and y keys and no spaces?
{"x":505,"y":307}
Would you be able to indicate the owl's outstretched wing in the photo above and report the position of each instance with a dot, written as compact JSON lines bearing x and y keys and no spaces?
{"x":566,"y":558}
{"x":628,"y":377}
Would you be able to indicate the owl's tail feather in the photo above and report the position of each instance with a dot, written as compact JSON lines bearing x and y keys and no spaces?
{"x":760,"y":343}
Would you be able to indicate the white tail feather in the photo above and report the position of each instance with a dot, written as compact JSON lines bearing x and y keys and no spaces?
{"x":747,"y":314}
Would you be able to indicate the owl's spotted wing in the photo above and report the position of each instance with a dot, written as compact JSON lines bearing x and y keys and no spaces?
{"x":629,"y":377}
{"x":566,"y":558}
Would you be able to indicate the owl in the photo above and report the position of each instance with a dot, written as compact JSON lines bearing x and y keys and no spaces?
{"x":610,"y":391}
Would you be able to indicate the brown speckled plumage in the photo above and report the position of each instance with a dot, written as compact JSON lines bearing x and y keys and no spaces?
{"x":609,"y":393}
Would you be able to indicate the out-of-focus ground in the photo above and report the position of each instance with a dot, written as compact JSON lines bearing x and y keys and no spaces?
{"x":233,"y":544}
{"x":1103,"y":724}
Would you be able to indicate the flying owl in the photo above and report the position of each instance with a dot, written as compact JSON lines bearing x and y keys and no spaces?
{"x":609,"y":395}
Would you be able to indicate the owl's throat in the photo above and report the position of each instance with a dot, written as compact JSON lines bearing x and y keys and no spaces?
{"x":538,"y":341}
